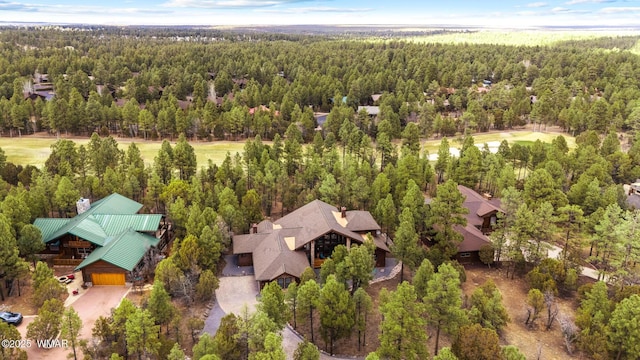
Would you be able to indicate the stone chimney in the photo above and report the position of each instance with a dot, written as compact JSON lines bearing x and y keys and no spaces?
{"x":254,"y":228}
{"x":343,"y":210}
{"x":83,"y":205}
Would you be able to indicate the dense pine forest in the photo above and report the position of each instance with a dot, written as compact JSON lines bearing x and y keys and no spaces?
{"x":343,"y":120}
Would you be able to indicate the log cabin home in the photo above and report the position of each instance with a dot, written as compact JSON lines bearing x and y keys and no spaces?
{"x":107,"y":240}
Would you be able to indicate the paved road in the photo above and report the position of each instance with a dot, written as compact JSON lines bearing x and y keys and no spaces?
{"x":555,"y":252}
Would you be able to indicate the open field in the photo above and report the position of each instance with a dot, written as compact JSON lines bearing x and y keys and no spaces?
{"x":493,"y":138}
{"x":516,"y":38}
{"x":30,"y":150}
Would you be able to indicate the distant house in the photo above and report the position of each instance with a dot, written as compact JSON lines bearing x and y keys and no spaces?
{"x":44,"y":95}
{"x":281,"y":250}
{"x":107,"y":240}
{"x":321,"y":118}
{"x":372,"y":111}
{"x":481,"y":218}
{"x":262,"y":108}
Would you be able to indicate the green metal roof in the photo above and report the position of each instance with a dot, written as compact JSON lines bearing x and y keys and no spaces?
{"x":124,"y":250}
{"x":115,"y":224}
{"x":90,"y":230}
{"x":85,"y":225}
{"x":115,"y":204}
{"x":48,"y":227}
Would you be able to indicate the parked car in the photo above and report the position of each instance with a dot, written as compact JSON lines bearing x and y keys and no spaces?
{"x":68,"y":279}
{"x":11,"y":317}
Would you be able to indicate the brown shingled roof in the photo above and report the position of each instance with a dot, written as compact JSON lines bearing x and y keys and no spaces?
{"x":473,"y":239}
{"x":276,"y":247}
{"x":478,"y":206}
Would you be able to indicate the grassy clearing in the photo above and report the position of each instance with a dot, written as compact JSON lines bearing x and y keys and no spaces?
{"x":514,"y":38}
{"x":35,"y":151}
{"x":520,"y":137}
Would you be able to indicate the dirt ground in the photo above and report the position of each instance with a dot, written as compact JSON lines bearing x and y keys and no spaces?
{"x":533,"y":343}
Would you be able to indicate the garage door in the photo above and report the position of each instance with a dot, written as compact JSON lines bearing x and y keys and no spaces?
{"x":107,"y":279}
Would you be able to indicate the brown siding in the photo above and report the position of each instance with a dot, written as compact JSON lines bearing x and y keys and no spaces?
{"x":100,"y":267}
{"x":381,"y":258}
{"x":245,"y":260}
{"x":473,"y":258}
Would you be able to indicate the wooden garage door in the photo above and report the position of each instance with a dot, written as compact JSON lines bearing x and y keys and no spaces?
{"x":107,"y":279}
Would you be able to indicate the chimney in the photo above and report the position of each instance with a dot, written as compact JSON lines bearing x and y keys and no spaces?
{"x":344,"y":212}
{"x":83,"y":205}
{"x":254,"y":228}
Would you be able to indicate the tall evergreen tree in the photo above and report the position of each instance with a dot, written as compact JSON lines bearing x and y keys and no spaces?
{"x":403,"y":323}
{"x":336,"y":312}
{"x":445,"y":212}
{"x":443,"y":302}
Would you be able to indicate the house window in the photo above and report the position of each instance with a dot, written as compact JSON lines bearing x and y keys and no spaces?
{"x":324,"y":246}
{"x":83,"y":252}
{"x":465,"y":255}
{"x":284,"y":282}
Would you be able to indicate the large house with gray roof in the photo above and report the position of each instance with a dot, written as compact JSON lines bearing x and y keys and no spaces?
{"x":107,"y":240}
{"x":281,"y":250}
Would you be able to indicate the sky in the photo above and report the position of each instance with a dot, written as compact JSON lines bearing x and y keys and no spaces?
{"x":489,"y":13}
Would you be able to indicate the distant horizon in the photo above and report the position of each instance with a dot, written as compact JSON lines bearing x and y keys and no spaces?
{"x":517,"y":14}
{"x":394,"y":27}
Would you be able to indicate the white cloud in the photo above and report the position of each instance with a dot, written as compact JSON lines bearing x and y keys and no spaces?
{"x":536,"y":5}
{"x":229,"y":4}
{"x":618,"y":10}
{"x":317,"y":9}
{"x":575,"y":2}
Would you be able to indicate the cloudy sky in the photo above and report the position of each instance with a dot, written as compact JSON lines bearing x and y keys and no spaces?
{"x":490,"y":13}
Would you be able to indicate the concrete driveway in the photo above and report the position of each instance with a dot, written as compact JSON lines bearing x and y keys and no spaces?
{"x":232,"y":294}
{"x":236,"y":291}
{"x":94,"y":302}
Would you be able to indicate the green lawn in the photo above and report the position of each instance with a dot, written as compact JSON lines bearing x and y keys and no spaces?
{"x":521,"y":137}
{"x":35,"y":151}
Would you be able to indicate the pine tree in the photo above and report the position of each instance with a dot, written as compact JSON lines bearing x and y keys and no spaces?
{"x":159,"y":304}
{"x":142,"y":334}
{"x":446,"y":211}
{"x":403,"y":334}
{"x":306,"y":351}
{"x":363,"y":306}
{"x":477,"y":343}
{"x":272,"y":304}
{"x":336,"y":311}
{"x":71,"y":325}
{"x":623,"y":331}
{"x":405,"y":245}
{"x":47,"y":324}
{"x":486,"y":307}
{"x":444,"y":302}
{"x":308,"y":296}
